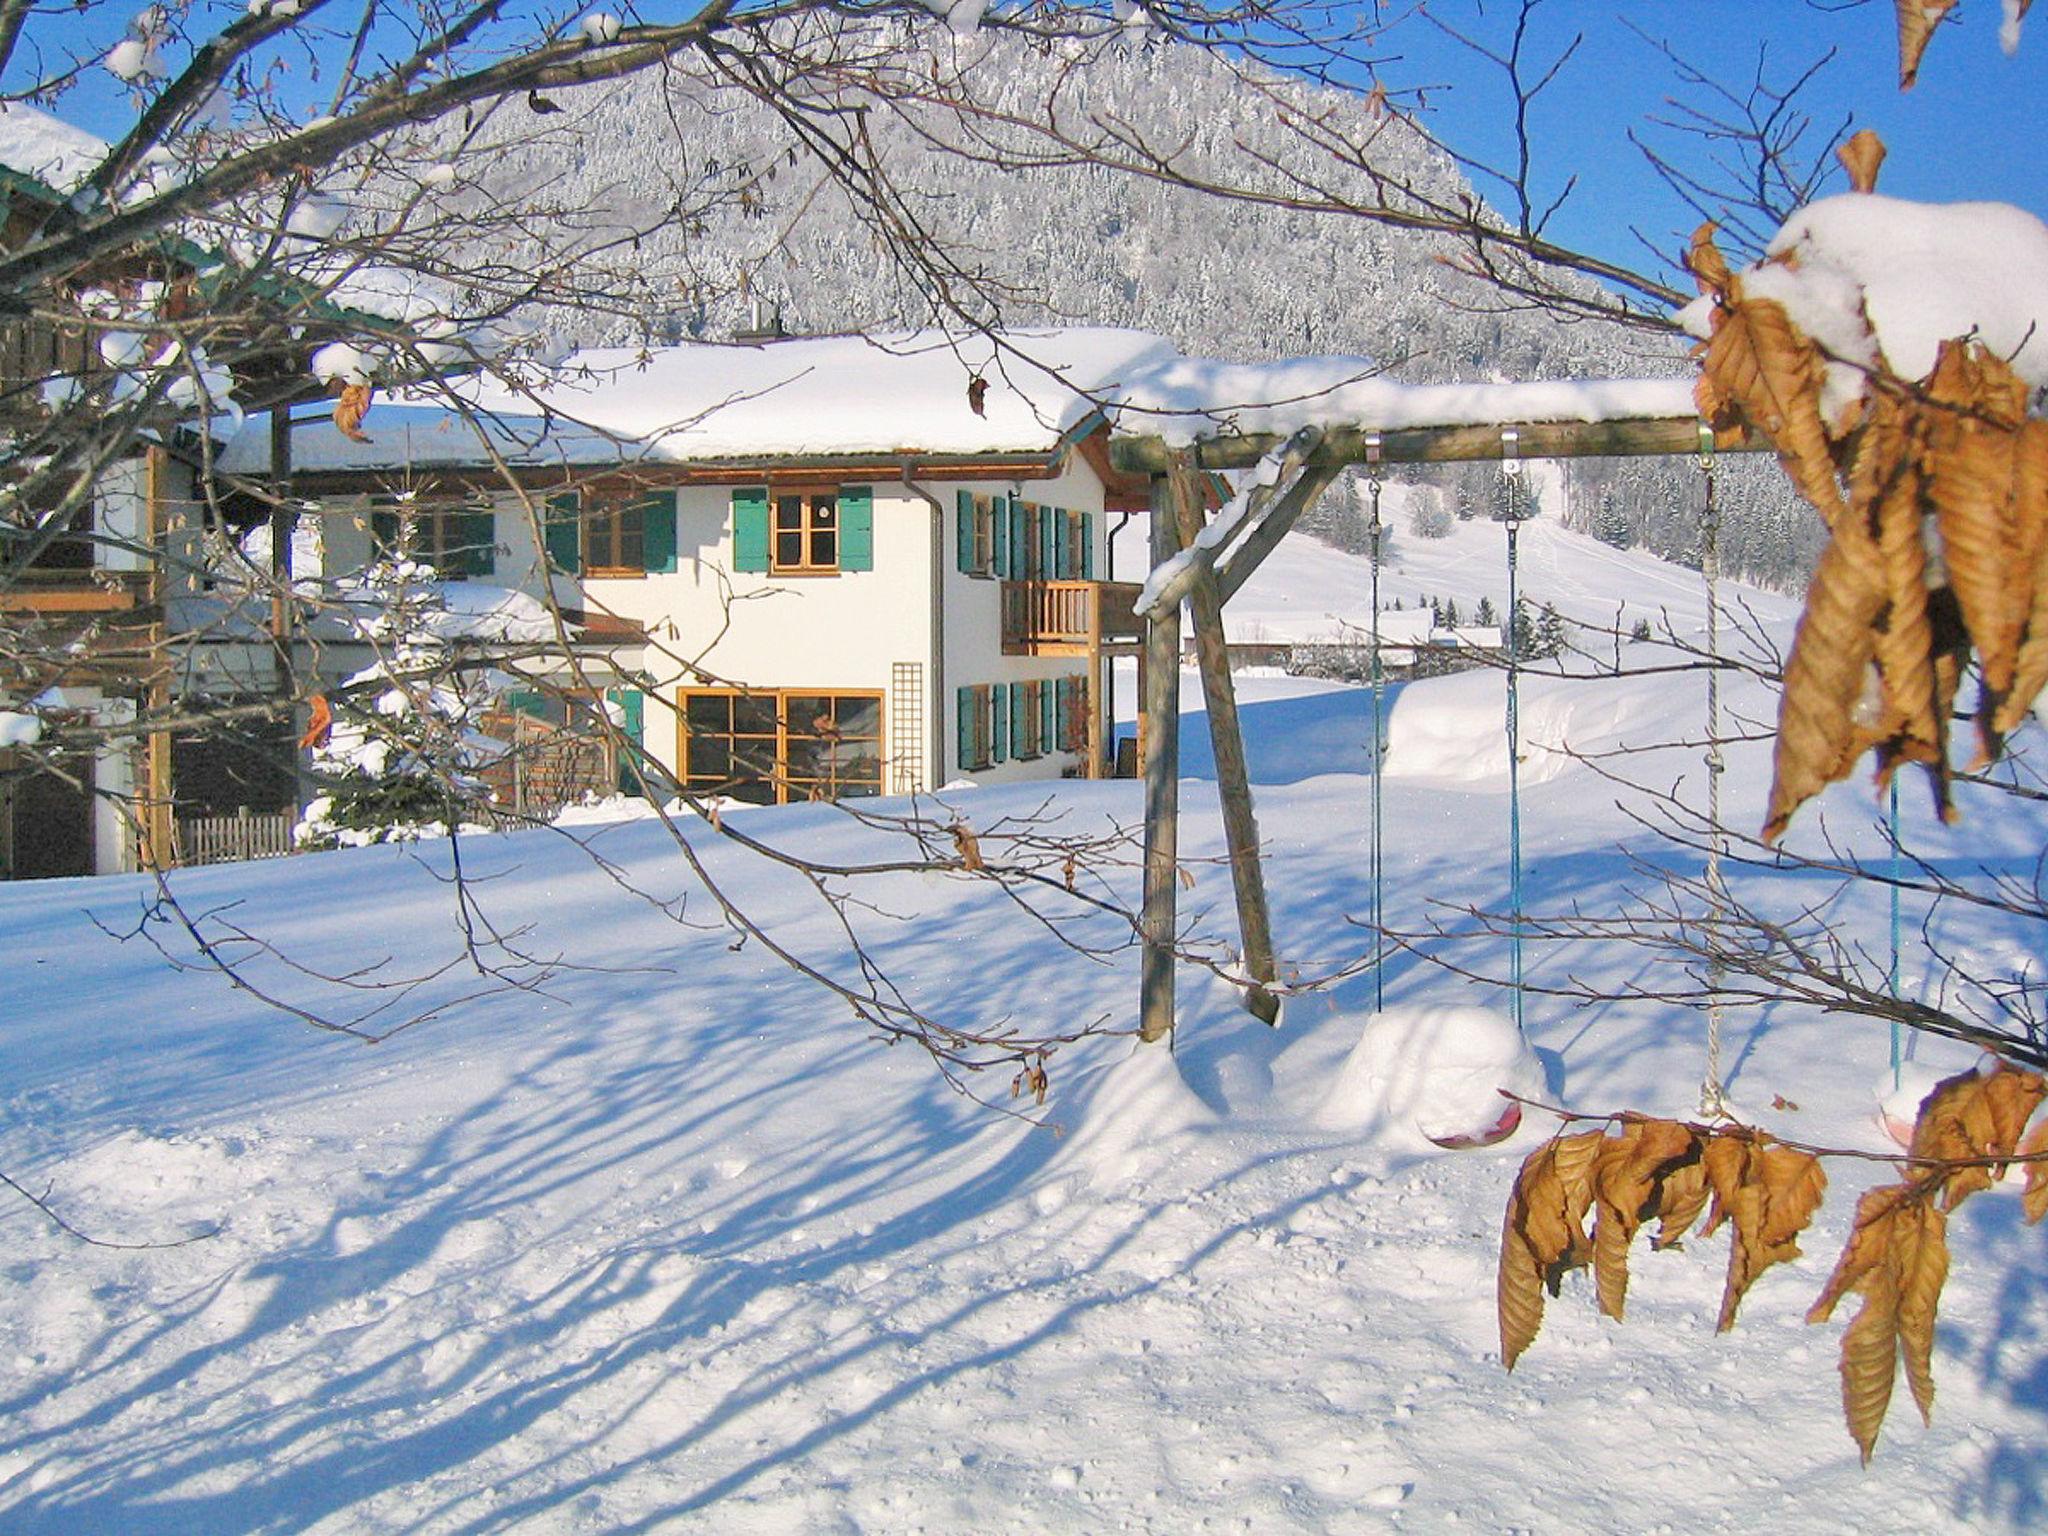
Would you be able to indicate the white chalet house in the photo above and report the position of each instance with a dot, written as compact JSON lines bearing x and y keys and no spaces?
{"x":812,"y":568}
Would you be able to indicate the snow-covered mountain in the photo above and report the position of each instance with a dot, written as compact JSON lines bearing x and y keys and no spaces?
{"x":699,"y":186}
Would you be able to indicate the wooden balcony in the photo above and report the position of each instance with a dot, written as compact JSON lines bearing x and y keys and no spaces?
{"x":74,"y":592}
{"x":1068,"y":618}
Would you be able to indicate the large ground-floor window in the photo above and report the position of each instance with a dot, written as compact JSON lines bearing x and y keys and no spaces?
{"x":770,"y":746}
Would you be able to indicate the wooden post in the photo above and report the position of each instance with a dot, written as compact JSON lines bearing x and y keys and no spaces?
{"x":1160,"y":727}
{"x":1233,"y":780}
{"x":159,"y":828}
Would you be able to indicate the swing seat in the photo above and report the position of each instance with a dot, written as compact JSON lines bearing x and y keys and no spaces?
{"x":1509,"y":1122}
{"x":1432,"y":1075}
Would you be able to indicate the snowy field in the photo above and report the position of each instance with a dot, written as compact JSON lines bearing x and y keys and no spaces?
{"x":664,"y":1243}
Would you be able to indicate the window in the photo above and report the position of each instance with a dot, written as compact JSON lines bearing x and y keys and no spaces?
{"x":68,"y":551}
{"x":620,"y":533}
{"x":1029,"y":726}
{"x":817,"y":533}
{"x":976,"y":726}
{"x":1071,"y":713}
{"x":615,"y":538}
{"x":806,"y":533}
{"x":980,"y":528}
{"x":777,"y":745}
{"x":458,"y":539}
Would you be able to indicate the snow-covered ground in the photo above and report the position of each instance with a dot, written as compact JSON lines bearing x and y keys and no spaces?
{"x":666,"y":1243}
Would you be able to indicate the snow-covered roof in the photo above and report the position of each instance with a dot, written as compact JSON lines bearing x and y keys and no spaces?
{"x":1184,"y":399}
{"x":45,"y":148}
{"x":903,"y":394}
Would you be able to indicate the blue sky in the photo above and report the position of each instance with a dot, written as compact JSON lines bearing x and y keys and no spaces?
{"x":1970,"y":129}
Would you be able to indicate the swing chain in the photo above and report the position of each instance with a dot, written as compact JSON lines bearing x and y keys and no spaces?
{"x":1712,"y":1102}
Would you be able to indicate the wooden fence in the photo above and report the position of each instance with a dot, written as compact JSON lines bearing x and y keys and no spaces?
{"x":227,"y":839}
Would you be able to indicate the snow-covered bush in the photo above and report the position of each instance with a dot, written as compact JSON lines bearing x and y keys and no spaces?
{"x":400,"y":755}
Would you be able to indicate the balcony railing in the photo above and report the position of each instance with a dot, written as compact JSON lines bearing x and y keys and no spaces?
{"x":44,"y":591}
{"x":1067,"y":618}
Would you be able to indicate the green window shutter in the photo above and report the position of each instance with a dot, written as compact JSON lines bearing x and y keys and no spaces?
{"x":1020,"y":541}
{"x":527,"y":701}
{"x":1048,"y":541}
{"x":658,"y":532}
{"x":1048,"y":719}
{"x":633,"y":724}
{"x":478,"y":532}
{"x":561,"y":530}
{"x":384,"y":529}
{"x":963,"y":700}
{"x":999,"y":515}
{"x":1087,"y":546}
{"x":999,"y":735}
{"x":1063,"y":546}
{"x":856,"y":528}
{"x":750,"y":528}
{"x":1020,"y":719}
{"x":963,"y":527}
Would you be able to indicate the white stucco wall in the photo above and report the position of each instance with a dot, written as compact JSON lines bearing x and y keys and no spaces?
{"x":974,"y":621}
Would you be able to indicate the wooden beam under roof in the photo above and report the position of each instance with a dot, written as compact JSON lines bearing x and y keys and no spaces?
{"x":1628,"y":438}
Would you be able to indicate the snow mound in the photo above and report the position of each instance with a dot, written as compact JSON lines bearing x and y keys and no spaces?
{"x":1454,"y":729}
{"x":1431,"y":1074}
{"x":1139,"y":1102}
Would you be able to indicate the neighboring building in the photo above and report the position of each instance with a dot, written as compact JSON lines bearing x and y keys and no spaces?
{"x":130,"y":612}
{"x":815,"y":568}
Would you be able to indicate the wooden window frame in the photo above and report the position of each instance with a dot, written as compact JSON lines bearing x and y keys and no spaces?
{"x":440,"y":520}
{"x":1028,"y":743}
{"x":807,"y":532}
{"x":605,"y":525}
{"x":984,"y":755}
{"x":787,"y":790}
{"x":983,"y":558}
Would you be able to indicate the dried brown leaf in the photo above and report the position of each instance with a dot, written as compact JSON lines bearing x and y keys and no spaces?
{"x":1820,"y":731}
{"x":1685,"y":1193}
{"x":1870,"y":1361}
{"x":1973,"y":1115}
{"x":967,"y":845}
{"x":2030,"y":521}
{"x":1706,"y":263}
{"x":1768,"y":1193}
{"x":1861,"y":157}
{"x":1917,"y":21}
{"x":1975,"y":404}
{"x":1543,"y":1234}
{"x":1628,"y":1185}
{"x":350,"y":410}
{"x":1760,"y":369}
{"x":2035,"y":1201}
{"x":1923,"y":1270}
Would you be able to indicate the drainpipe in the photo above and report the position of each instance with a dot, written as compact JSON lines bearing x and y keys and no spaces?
{"x":938,"y":616}
{"x":1109,"y":549}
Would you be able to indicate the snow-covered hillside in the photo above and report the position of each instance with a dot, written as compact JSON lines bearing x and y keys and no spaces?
{"x":1305,"y":590}
{"x":665,"y":1244}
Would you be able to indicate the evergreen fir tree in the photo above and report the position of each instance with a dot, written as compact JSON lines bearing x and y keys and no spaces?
{"x":399,"y":764}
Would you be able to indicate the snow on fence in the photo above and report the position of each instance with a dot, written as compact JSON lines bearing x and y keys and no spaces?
{"x":226,"y":839}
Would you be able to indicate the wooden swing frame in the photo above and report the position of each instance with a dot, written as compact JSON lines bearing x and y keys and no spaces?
{"x":1316,"y":456}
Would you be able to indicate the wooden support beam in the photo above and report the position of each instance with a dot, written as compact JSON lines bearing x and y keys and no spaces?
{"x":1300,"y":496}
{"x":1160,"y":726}
{"x":1293,"y":455}
{"x":1233,"y":781}
{"x":1636,"y":437}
